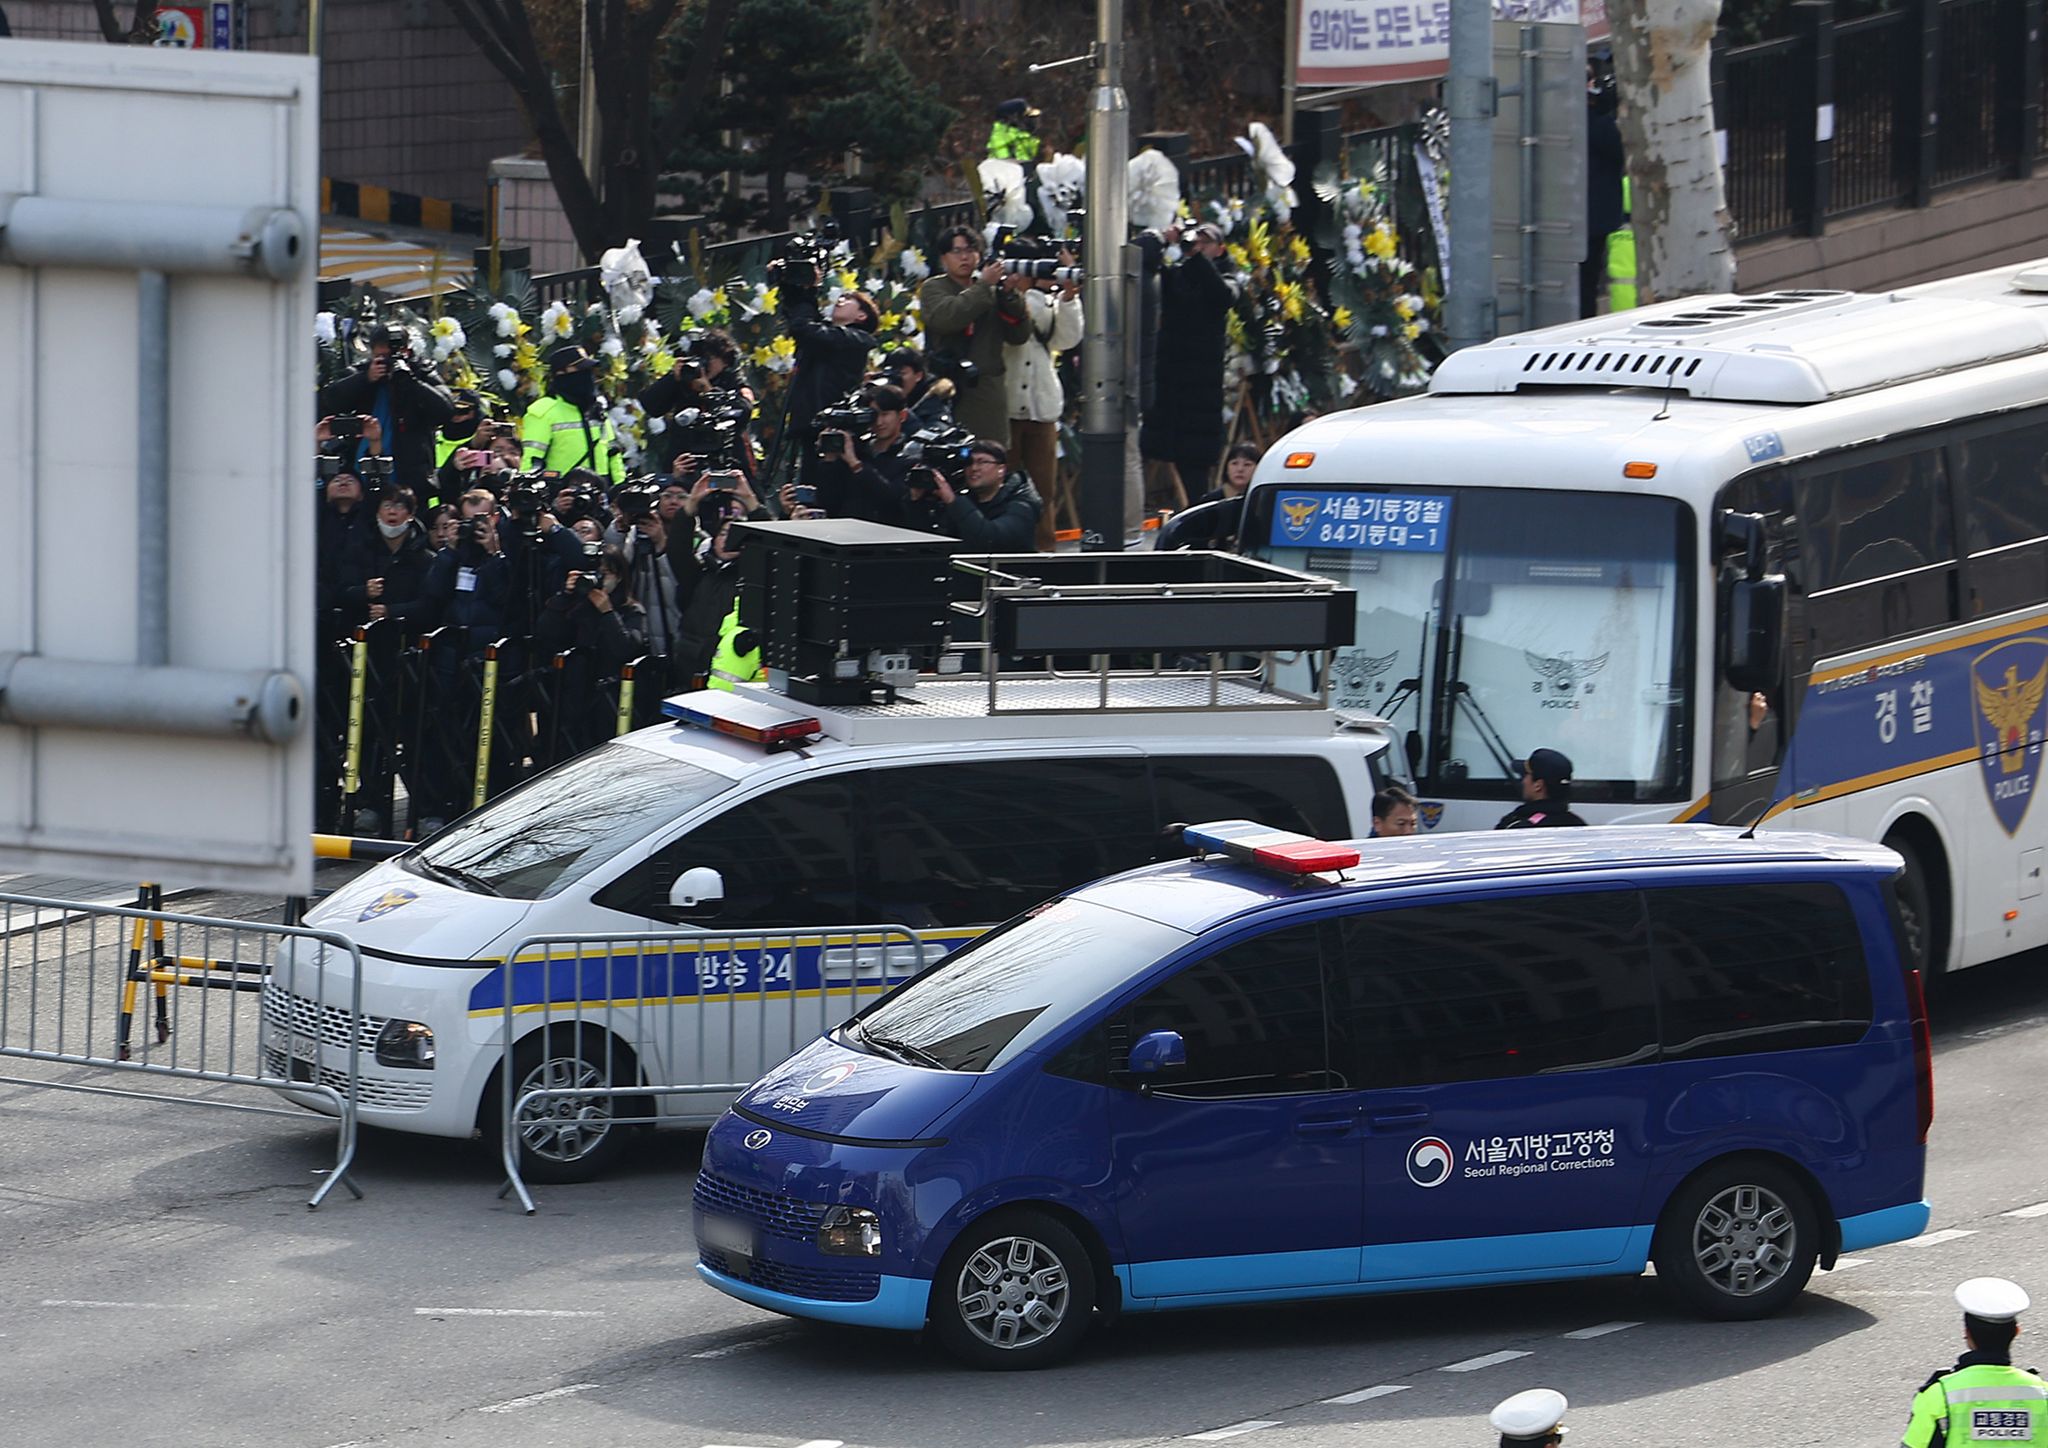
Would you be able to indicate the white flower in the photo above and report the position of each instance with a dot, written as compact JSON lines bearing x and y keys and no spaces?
{"x":656,"y":426}
{"x":873,"y":284}
{"x":323,"y":327}
{"x":1346,"y":384}
{"x":508,"y":379}
{"x":611,"y":347}
{"x":629,"y":315}
{"x":1379,"y":329}
{"x":556,"y":321}
{"x":703,"y":302}
{"x":910,"y":261}
{"x":449,"y":337}
{"x":650,"y":342}
{"x":507,"y":319}
{"x":503,"y":349}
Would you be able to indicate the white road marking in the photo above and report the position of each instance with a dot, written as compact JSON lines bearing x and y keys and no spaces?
{"x":1601,"y":1331}
{"x":1843,"y":1264}
{"x":1492,"y":1359}
{"x":531,"y":1398}
{"x":745,"y":1344}
{"x":1935,"y":1239}
{"x":1235,"y":1430}
{"x":498,"y":1312}
{"x":132,"y":1306}
{"x":1364,"y":1395}
{"x":2039,"y":1209}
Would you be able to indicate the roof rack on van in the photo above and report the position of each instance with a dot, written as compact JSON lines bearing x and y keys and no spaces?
{"x":859,"y":616}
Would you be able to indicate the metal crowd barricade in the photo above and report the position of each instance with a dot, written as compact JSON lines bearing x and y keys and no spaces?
{"x":680,"y":1013}
{"x":71,"y":974}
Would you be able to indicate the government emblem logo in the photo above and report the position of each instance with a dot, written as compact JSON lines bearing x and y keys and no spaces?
{"x":1298,"y":512}
{"x":1431,"y":811}
{"x":1430,"y":1161}
{"x":2011,"y":684}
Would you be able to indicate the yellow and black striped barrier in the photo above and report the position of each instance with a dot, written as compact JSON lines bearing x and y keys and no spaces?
{"x":344,"y":847}
{"x":400,"y":208}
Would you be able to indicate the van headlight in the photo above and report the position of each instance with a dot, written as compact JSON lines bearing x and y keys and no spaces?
{"x":406,"y":1043}
{"x":850,"y":1232}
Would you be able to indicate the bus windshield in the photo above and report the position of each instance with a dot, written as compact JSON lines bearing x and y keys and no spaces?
{"x":1496,"y":621}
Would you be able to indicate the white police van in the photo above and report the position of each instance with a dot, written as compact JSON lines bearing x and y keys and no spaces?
{"x":952,"y":808}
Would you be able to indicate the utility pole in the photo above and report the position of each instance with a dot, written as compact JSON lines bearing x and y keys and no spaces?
{"x":1106,"y":384}
{"x":587,"y":122}
{"x":1474,"y":100}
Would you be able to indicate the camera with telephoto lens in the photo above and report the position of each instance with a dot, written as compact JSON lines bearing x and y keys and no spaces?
{"x":635,"y":501}
{"x":375,"y":472}
{"x":527,"y":496}
{"x":715,"y":429}
{"x":941,"y":449}
{"x":1037,"y":258}
{"x":587,"y":574}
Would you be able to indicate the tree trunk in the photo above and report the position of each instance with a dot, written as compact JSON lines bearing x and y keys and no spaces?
{"x":1683,"y":234}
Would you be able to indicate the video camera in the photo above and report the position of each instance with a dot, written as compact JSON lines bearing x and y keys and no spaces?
{"x":848,"y":419}
{"x":940,"y":448}
{"x":635,"y":501}
{"x":791,"y":269}
{"x":715,"y":429}
{"x":588,"y":574}
{"x":527,"y":496}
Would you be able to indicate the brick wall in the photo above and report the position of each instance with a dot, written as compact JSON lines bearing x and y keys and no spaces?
{"x":406,"y":100}
{"x":530,"y":215}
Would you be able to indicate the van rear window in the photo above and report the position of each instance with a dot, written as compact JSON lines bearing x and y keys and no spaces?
{"x":1745,"y":968}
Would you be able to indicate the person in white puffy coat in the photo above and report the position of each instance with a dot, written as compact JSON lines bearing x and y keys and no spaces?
{"x":1037,"y":402}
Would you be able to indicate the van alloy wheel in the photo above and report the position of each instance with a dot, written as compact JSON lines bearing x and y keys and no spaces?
{"x":1013,"y":1292}
{"x":1743,"y":1240}
{"x":1739,"y":1239}
{"x":564,"y":1128}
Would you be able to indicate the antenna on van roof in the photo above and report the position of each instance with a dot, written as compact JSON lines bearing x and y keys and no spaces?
{"x":1750,"y":833}
{"x":1664,"y":405}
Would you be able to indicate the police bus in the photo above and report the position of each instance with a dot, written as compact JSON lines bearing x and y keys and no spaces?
{"x":1780,"y":558}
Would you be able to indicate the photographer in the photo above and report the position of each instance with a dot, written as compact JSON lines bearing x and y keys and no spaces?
{"x":992,"y":510}
{"x":385,"y":574}
{"x":930,"y":398}
{"x":705,"y":406}
{"x":970,"y":313}
{"x":596,"y":614}
{"x":568,"y":428}
{"x":864,"y":477}
{"x":409,"y":405}
{"x":470,"y":582}
{"x":709,"y":577}
{"x":1037,"y":401}
{"x":462,"y":450}
{"x":831,"y":351}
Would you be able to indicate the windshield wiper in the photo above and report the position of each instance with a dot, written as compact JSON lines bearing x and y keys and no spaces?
{"x":915,"y":1055}
{"x":454,"y":875}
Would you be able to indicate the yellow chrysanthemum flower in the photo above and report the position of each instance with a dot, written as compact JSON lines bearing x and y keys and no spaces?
{"x":771,"y":300}
{"x":1381,"y":242}
{"x":890,"y":321}
{"x":783,"y":347}
{"x":760,"y":356}
{"x":1297,"y":251}
{"x":1239,"y":257}
{"x":849,"y":281}
{"x":661,"y":363}
{"x":1411,"y":331}
{"x":1404,"y":308}
{"x":525,"y":356}
{"x":1341,"y":319}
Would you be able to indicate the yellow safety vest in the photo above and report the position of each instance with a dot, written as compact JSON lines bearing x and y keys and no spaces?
{"x":729,"y":666}
{"x":553,"y":431}
{"x":1012,"y":143}
{"x":1621,"y":258}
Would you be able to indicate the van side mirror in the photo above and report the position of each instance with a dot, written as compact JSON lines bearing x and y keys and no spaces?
{"x":699,"y":890}
{"x":1743,"y":535}
{"x":1755,"y":635}
{"x":1156,"y":1052}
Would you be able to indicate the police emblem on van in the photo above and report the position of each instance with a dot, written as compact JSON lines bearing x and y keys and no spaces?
{"x":1294,"y":527}
{"x":2011,"y":685}
{"x":389,"y":901}
{"x":1561,"y":678}
{"x":1432,"y":812}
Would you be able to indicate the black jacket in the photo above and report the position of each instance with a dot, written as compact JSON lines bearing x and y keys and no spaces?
{"x":1539,"y":814}
{"x":339,"y":536}
{"x":1185,"y":418}
{"x":1605,"y":165}
{"x":404,"y":571}
{"x":830,"y":360}
{"x":483,"y":605}
{"x":872,"y":492}
{"x":1006,"y":523}
{"x":419,"y":405}
{"x":610,"y":640}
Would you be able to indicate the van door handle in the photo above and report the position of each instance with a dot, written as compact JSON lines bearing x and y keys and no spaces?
{"x":1323,"y":1126}
{"x":1397,"y":1117}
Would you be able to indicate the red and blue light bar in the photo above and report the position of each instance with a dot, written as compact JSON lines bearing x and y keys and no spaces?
{"x":1251,"y":843}
{"x":722,"y":712}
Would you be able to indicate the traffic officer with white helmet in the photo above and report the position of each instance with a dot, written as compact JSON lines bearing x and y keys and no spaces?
{"x":1531,"y":1419}
{"x":1983,"y":1398}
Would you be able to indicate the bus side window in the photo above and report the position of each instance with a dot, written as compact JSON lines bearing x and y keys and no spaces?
{"x":2003,"y":476}
{"x":1879,"y":542}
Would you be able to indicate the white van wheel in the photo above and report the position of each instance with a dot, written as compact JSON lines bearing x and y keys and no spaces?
{"x":1016,"y":1291}
{"x":564,"y":1138}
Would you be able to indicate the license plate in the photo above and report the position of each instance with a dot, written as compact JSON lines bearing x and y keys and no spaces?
{"x":299,"y":1048}
{"x":723,"y":1234}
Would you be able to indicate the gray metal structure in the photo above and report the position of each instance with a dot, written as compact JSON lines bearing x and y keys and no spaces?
{"x":1539,"y":173}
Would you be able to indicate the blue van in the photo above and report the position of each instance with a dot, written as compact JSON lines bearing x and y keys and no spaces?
{"x":1287,"y":1069}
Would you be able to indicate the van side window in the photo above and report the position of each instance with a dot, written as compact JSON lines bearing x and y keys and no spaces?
{"x":1744,"y":968}
{"x":1484,"y":989}
{"x":1289,"y":792}
{"x":1251,"y":1017}
{"x":787,"y":858}
{"x":1879,"y":538}
{"x":974,"y":844}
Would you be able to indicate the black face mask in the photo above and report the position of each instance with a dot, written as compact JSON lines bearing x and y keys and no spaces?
{"x":577,"y":387}
{"x":459,"y":429}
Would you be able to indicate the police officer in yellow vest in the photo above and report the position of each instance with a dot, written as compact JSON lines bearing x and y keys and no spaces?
{"x":1983,"y":1398}
{"x":568,"y":429}
{"x":1621,"y":257}
{"x":1011,"y":137}
{"x":738,"y":660}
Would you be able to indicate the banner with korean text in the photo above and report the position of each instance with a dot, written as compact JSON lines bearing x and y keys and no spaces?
{"x":1381,"y":42}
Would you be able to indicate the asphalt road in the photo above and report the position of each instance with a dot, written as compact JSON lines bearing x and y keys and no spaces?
{"x":162,"y":1283}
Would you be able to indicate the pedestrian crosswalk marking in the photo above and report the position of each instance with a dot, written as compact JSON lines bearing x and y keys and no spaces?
{"x":2038,"y":1209}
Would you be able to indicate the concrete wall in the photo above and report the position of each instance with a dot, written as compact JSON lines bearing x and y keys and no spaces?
{"x":529,"y":214}
{"x":1969,"y":229}
{"x":406,"y":101}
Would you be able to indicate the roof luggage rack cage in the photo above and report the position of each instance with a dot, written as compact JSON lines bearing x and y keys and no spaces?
{"x":869,"y":618}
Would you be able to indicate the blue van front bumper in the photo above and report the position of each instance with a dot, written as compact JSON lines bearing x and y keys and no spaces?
{"x":899,"y":1302}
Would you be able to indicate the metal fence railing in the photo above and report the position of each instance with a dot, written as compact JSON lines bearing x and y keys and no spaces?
{"x":1968,"y":146}
{"x":1758,"y":118}
{"x":607,"y":1031}
{"x":1872,"y":56}
{"x":145,"y":997}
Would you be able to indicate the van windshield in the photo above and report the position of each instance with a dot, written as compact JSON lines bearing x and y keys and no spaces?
{"x":987,"y":1003}
{"x":535,"y":841}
